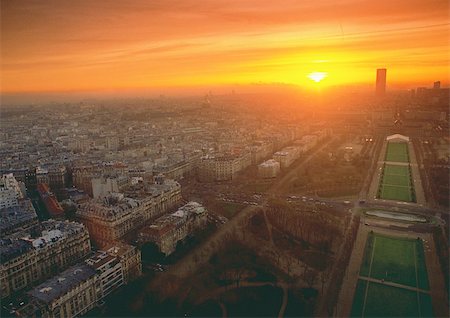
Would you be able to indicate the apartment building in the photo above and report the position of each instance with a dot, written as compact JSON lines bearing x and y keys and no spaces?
{"x":18,"y":218}
{"x":30,"y":257}
{"x":71,"y":293}
{"x":10,"y":191}
{"x":110,"y":218}
{"x":222,"y":168}
{"x":109,"y":271}
{"x":269,"y":169}
{"x":169,"y":229}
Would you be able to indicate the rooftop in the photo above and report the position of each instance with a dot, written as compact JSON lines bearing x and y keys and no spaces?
{"x":16,"y":215}
{"x":176,"y":219}
{"x":111,"y":207}
{"x":51,"y":232}
{"x":99,"y":259}
{"x":61,"y":284}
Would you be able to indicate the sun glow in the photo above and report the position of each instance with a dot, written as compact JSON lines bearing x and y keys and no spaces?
{"x":317,"y":76}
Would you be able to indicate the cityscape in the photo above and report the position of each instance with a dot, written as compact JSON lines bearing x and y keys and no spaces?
{"x":224,"y":159}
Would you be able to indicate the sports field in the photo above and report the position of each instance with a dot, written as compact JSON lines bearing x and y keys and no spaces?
{"x":397,"y":151}
{"x":396,"y":184}
{"x":393,"y":279}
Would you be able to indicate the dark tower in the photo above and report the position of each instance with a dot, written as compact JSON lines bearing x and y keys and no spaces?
{"x":381,"y":82}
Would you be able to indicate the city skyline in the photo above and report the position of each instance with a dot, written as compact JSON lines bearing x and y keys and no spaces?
{"x":224,"y":158}
{"x":83,"y":46}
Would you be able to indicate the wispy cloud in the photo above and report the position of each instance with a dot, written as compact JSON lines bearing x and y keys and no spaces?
{"x":51,"y":45}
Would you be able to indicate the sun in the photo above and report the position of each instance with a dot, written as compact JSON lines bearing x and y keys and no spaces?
{"x":317,"y":76}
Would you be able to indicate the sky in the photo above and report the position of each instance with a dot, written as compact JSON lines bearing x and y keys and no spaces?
{"x":58,"y":46}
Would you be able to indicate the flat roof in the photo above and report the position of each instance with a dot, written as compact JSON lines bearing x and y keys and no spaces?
{"x":61,"y":284}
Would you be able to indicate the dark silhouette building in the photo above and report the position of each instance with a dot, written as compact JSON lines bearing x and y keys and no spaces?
{"x":381,"y":82}
{"x":437,"y":85}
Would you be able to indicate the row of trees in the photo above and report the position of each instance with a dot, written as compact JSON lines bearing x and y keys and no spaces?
{"x":340,"y":267}
{"x":316,"y":229}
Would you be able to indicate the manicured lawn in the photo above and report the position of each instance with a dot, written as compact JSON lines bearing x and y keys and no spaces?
{"x":397,"y":193}
{"x":396,"y":170}
{"x":397,"y":152}
{"x":396,"y":260}
{"x":388,"y":301}
{"x":396,"y":184}
{"x":381,"y":300}
{"x":396,"y":180}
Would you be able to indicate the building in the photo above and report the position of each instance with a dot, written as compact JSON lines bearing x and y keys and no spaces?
{"x":18,"y":218}
{"x":82,"y":178}
{"x":80,"y":288}
{"x":10,"y":191}
{"x":397,"y":138}
{"x":287,"y":156}
{"x":108,"y":220}
{"x":30,"y":257}
{"x":169,"y":229}
{"x":380,"y":89}
{"x":222,"y":168}
{"x":165,"y":193}
{"x":51,"y":203}
{"x":71,"y":293}
{"x":109,"y":271}
{"x":260,"y":150}
{"x":55,"y":176}
{"x":175,"y":170}
{"x":83,"y":174}
{"x":130,"y":258}
{"x":269,"y":169}
{"x":437,"y":85}
{"x":105,"y":185}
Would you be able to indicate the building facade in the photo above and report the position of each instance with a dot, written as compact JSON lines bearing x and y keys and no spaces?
{"x":10,"y":191}
{"x":108,"y":220}
{"x":71,"y":293}
{"x":28,"y":258}
{"x":169,"y":229}
{"x":269,"y":169}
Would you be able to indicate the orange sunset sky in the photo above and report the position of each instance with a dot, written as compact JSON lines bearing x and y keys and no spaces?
{"x":52,"y":46}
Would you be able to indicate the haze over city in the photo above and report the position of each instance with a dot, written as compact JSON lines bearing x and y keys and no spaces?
{"x":50,"y":46}
{"x":220,"y":158}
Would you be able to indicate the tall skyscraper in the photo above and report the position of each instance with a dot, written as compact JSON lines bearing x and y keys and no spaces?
{"x":381,"y":82}
{"x":437,"y":85}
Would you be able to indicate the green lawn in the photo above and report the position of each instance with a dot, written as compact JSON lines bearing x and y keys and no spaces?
{"x":396,"y":184}
{"x":399,"y":180}
{"x":394,"y":260}
{"x":388,"y":301}
{"x":397,"y":152}
{"x":397,"y":260}
{"x":397,"y":193}
{"x":381,"y":300}
{"x":396,"y":170}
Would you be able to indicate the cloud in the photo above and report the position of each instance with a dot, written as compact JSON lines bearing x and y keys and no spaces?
{"x":174,"y":39}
